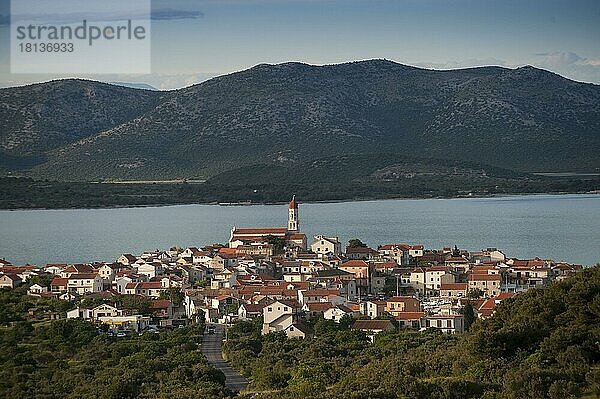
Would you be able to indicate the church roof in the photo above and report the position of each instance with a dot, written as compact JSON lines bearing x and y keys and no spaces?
{"x":293,"y":203}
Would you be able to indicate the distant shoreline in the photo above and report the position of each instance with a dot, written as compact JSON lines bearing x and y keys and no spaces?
{"x":244,"y":204}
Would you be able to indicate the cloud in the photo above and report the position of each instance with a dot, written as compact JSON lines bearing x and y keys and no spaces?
{"x":561,"y":59}
{"x":570,"y":64}
{"x":170,"y":14}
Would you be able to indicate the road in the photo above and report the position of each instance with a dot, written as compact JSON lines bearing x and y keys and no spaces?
{"x":211,"y":348}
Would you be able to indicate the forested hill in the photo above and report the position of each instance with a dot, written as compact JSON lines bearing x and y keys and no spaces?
{"x":523,"y":119}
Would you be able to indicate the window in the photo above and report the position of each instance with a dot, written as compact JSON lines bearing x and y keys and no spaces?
{"x":269,"y":309}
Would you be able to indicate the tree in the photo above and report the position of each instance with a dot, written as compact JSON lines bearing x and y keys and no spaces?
{"x":177,"y":249}
{"x":346,"y":321}
{"x":173,"y":294}
{"x":356,"y":243}
{"x":476,"y":293}
{"x":456,"y":252}
{"x":469,"y":315}
{"x":44,"y":281}
{"x":201,"y":283}
{"x":232,"y":308}
{"x":135,"y":302}
{"x":309,"y":380}
{"x":278,"y":243}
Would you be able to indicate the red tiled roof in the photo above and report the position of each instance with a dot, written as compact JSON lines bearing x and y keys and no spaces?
{"x":355,"y":263}
{"x":292,"y":303}
{"x":359,"y":250}
{"x":488,"y":306}
{"x":79,"y":269}
{"x":252,"y":308}
{"x":297,"y":236}
{"x":59,"y":282}
{"x":228,"y":251}
{"x":409,"y":315}
{"x":484,"y":277}
{"x":320,"y":292}
{"x":160,"y":304}
{"x":260,"y":231}
{"x":371,"y":324}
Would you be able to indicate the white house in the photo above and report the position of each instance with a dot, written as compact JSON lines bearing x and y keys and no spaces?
{"x":9,"y":280}
{"x":326,"y":245}
{"x":223,"y":279}
{"x":127,"y":259}
{"x":150,"y":269}
{"x":337,"y":312}
{"x":279,"y":315}
{"x":84,"y":283}
{"x":149,"y":288}
{"x":36,"y":290}
{"x":448,"y":324}
{"x":298,"y":330}
{"x":248,"y":311}
{"x":108,"y":271}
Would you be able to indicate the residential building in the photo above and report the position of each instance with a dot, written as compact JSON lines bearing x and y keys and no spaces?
{"x":400,"y":304}
{"x":326,"y":245}
{"x":447,"y":323}
{"x":84,"y":283}
{"x":279,"y":315}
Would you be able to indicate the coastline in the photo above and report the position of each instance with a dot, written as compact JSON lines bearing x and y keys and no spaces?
{"x":244,"y":203}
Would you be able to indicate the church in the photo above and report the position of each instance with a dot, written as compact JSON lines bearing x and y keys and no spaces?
{"x":291,"y":234}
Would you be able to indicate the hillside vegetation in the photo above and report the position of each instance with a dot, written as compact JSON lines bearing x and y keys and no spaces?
{"x":522,"y":119}
{"x":72,"y":359}
{"x":541,"y":344}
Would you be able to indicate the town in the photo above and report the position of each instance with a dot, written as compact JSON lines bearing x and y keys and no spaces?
{"x":275,"y":274}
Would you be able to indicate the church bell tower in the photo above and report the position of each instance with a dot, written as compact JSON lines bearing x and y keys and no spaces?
{"x":293,"y":216}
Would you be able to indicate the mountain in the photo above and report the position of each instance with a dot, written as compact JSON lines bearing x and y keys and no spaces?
{"x":524,"y":119}
{"x":37,"y":119}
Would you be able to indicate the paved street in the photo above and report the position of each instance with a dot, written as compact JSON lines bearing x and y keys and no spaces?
{"x":211,"y":348}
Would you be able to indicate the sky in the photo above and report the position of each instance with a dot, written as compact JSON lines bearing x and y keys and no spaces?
{"x":194,"y":40}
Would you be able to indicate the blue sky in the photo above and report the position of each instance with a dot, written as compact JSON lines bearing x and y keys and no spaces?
{"x":195,"y":40}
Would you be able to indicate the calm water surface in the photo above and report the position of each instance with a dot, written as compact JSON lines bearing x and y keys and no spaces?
{"x":561,"y":227}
